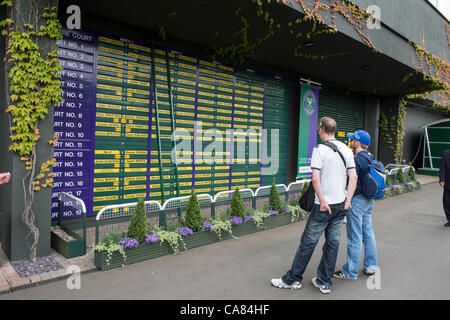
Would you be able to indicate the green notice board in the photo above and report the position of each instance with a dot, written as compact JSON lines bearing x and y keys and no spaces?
{"x":143,"y":92}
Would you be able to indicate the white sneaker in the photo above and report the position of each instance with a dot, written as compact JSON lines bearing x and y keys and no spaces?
{"x":323,"y":288}
{"x":280,"y":284}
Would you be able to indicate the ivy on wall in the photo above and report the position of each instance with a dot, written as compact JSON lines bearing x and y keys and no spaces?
{"x":34,"y":87}
{"x":315,"y":15}
{"x":436,"y":71}
{"x":392,"y":129}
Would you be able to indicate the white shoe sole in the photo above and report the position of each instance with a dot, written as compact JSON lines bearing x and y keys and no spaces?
{"x":282,"y":285}
{"x":314,"y":282}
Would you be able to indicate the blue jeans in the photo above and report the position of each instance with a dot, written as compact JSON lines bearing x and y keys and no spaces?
{"x":318,"y":223}
{"x":359,"y":232}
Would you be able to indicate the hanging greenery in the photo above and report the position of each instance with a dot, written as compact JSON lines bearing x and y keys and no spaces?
{"x":315,"y":11}
{"x":436,"y":71}
{"x":34,"y":87}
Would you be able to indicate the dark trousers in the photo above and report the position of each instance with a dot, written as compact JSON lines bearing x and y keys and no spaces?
{"x":446,"y":201}
{"x":318,"y":223}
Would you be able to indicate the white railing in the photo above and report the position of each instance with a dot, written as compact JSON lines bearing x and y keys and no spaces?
{"x":264,"y":191}
{"x":120,"y":212}
{"x":180,"y":202}
{"x":227,"y":194}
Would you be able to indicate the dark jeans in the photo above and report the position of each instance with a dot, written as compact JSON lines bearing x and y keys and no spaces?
{"x":318,"y":222}
{"x":446,"y":201}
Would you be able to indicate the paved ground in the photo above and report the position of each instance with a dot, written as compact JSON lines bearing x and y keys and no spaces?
{"x":413,"y":249}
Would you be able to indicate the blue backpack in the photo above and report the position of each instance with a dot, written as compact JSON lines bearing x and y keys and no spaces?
{"x":374,"y":182}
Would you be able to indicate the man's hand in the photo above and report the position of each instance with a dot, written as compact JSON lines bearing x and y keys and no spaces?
{"x":4,"y":177}
{"x":442,"y":183}
{"x":325,"y":207}
{"x":348,"y":205}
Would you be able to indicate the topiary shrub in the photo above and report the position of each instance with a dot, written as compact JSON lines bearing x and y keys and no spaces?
{"x":388,"y":182}
{"x":275,"y":203}
{"x":237,"y":205}
{"x":194,"y":218}
{"x":401,"y":176}
{"x":138,"y":228}
{"x":412,"y":173}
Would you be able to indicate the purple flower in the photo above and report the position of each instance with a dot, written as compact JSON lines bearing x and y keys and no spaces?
{"x":185,"y":231}
{"x":273,"y":212}
{"x":285,"y":209}
{"x":248,"y":218}
{"x":207,"y":225}
{"x":151,"y":238}
{"x":235,"y":220}
{"x":128,"y":243}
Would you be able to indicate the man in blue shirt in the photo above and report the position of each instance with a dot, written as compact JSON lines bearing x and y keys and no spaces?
{"x":359,"y":220}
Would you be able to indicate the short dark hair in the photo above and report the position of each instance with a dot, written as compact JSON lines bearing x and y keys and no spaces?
{"x":328,"y":125}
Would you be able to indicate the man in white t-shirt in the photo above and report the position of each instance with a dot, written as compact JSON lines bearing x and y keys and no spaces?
{"x":333,"y":199}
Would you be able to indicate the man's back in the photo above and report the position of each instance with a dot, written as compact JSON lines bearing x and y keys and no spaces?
{"x":333,"y":171}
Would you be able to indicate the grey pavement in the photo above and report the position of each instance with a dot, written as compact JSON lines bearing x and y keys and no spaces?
{"x":413,"y":251}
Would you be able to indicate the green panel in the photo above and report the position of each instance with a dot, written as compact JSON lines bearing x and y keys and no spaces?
{"x":347,"y":109}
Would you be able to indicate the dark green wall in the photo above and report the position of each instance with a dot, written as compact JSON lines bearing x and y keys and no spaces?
{"x":14,"y":232}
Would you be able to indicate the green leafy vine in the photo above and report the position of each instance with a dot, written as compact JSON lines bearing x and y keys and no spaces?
{"x":34,"y":87}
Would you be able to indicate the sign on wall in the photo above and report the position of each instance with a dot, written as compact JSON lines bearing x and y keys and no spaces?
{"x":116,"y":126}
{"x":309,"y":106}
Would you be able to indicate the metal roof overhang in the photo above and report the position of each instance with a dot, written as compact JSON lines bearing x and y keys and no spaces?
{"x":207,"y":23}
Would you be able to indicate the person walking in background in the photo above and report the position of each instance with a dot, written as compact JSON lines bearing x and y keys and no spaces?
{"x":332,"y":201}
{"x":444,"y":181}
{"x":4,"y":177}
{"x":359,"y":219}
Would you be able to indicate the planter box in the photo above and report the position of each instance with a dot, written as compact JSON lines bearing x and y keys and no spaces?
{"x":244,"y":228}
{"x":142,"y":252}
{"x":201,"y":238}
{"x":279,"y":220}
{"x":69,"y":249}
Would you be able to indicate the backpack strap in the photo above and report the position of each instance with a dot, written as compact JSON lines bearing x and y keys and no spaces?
{"x":335,"y":149}
{"x":367,"y":156}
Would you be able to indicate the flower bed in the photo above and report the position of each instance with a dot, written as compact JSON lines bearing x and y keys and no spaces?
{"x":400,"y":188}
{"x":119,"y":248}
{"x":123,"y":250}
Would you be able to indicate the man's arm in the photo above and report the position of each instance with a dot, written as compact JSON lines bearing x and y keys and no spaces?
{"x":318,"y":189}
{"x":352,"y":181}
{"x":442,"y":170}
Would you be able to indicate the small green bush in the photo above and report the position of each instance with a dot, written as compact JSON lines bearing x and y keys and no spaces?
{"x":237,"y":205}
{"x":113,"y":237}
{"x":412,"y":173}
{"x":138,"y":228}
{"x":401,"y":176}
{"x":194,"y":218}
{"x":274,"y":199}
{"x":388,"y":182}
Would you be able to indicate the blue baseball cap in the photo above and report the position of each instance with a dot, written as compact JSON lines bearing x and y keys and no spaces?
{"x":360,"y":136}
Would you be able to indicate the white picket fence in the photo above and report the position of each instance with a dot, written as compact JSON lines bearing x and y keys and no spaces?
{"x":117,"y":217}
